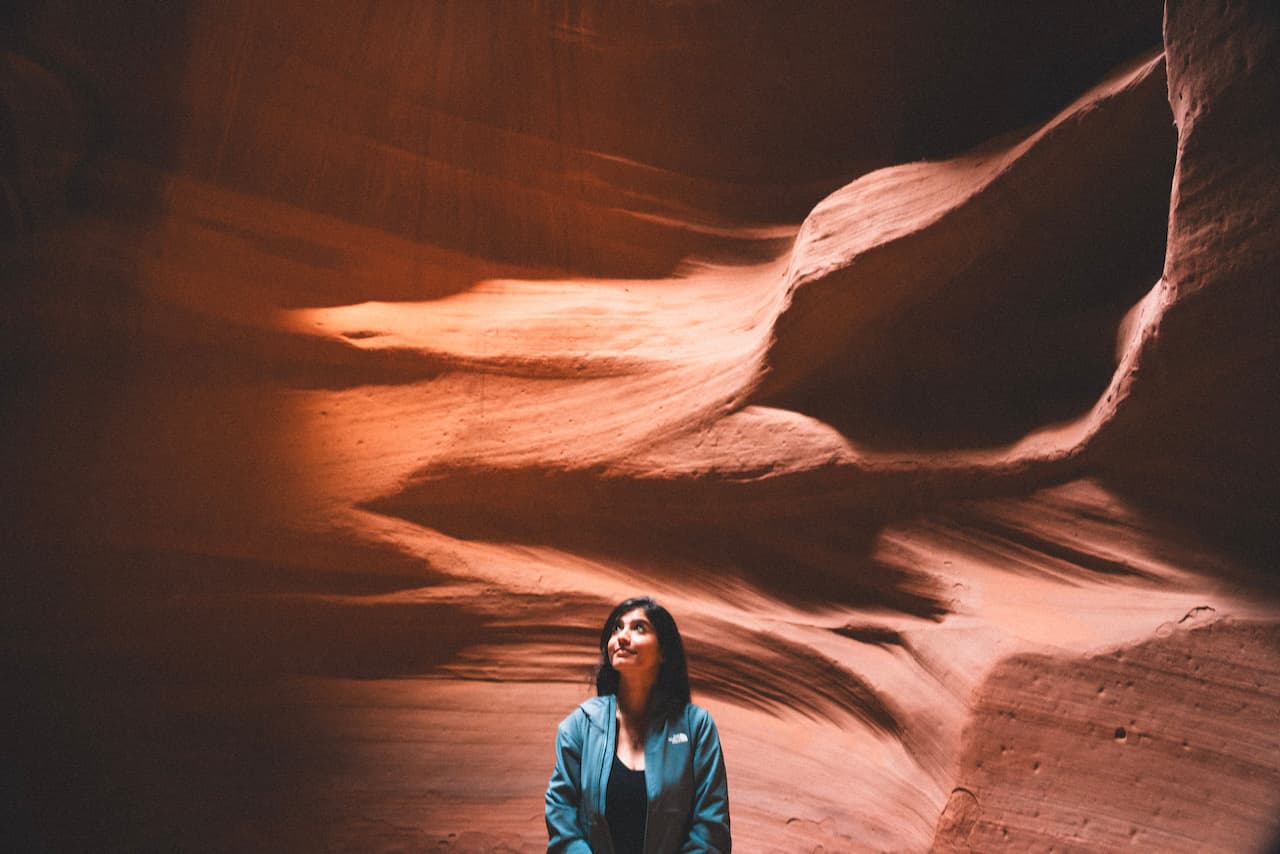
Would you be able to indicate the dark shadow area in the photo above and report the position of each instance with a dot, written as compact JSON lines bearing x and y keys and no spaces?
{"x":1196,"y":441}
{"x":805,"y":547}
{"x":86,"y":81}
{"x":148,"y":700}
{"x":1002,"y":543}
{"x":123,"y":67}
{"x":969,"y":369}
{"x":174,"y":618}
{"x":1203,"y":457}
{"x":877,"y":635}
{"x":768,"y":673}
{"x":574,"y":136}
{"x":165,"y":575}
{"x":79,"y":75}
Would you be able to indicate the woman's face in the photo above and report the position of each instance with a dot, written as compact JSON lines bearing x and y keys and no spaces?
{"x":633,"y":645}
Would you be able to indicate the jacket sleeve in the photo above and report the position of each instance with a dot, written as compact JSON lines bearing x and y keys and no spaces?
{"x":709,"y":826}
{"x":565,"y":835}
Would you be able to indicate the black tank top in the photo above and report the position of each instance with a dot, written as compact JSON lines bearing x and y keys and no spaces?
{"x":626,"y":804}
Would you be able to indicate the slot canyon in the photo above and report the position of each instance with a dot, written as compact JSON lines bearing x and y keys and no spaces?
{"x":922,"y":357}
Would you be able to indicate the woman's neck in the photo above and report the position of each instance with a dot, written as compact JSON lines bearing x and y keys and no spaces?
{"x":633,"y":698}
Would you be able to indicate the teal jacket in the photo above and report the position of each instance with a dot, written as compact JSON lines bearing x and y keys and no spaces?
{"x":684,"y":775}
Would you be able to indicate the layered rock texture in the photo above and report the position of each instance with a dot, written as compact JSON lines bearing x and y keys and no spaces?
{"x":922,"y":359}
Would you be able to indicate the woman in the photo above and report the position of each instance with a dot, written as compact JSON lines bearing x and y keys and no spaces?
{"x":638,"y":767}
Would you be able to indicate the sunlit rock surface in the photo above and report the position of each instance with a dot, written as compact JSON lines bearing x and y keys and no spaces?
{"x":922,"y":360}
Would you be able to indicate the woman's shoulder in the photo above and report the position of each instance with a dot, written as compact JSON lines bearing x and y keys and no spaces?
{"x":698,"y":718}
{"x":697,"y":713}
{"x":594,"y":710}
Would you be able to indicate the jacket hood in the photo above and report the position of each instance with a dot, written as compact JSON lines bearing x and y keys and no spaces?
{"x":599,"y":711}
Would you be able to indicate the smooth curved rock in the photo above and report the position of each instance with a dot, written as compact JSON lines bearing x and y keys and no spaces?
{"x":978,"y":297}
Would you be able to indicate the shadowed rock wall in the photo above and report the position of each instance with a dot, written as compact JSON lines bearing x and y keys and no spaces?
{"x":606,"y":137}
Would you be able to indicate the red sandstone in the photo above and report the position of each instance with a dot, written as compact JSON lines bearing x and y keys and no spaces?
{"x":922,"y":361}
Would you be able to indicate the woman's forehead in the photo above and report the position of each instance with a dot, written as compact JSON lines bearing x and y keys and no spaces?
{"x":635,"y":615}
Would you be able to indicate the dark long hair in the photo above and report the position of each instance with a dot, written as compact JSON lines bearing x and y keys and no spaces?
{"x":671,"y":690}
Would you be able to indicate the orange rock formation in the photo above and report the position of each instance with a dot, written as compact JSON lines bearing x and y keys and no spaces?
{"x":920,"y":357}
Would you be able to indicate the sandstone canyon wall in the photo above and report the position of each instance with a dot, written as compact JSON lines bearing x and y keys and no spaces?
{"x":921,"y":357}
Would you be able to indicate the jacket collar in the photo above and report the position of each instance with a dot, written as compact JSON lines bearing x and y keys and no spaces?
{"x":600,"y":711}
